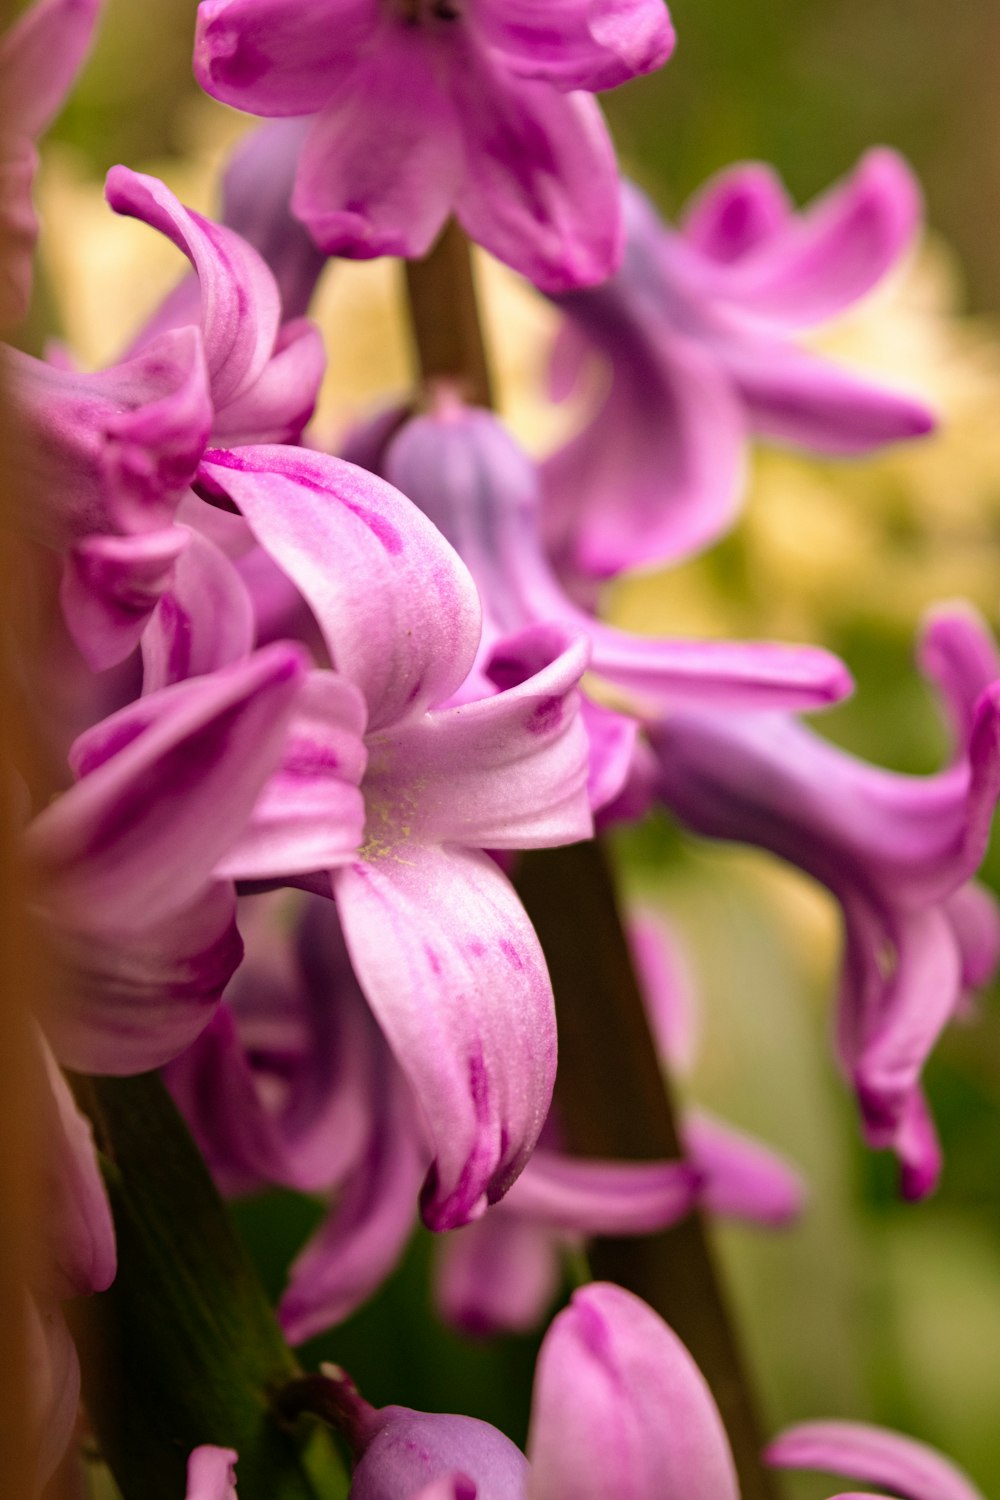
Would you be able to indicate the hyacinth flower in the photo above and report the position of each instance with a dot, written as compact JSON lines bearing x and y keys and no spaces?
{"x":697,"y":335}
{"x":619,"y":1407}
{"x":481,"y":490}
{"x":211,"y":1474}
{"x":108,"y":458}
{"x":480,"y":109}
{"x":442,"y":948}
{"x":502,"y":1273}
{"x":40,"y":56}
{"x":899,"y":854}
{"x":292,"y":1083}
{"x":122,"y":865}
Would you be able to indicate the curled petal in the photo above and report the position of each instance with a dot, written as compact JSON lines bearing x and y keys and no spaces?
{"x":958,"y":654}
{"x":620,"y":1408}
{"x":741,"y":1178}
{"x":454,"y":973}
{"x":974,"y":914}
{"x":267,"y":59}
{"x":736,"y":211}
{"x":240,"y":305}
{"x":203,"y":620}
{"x":167,"y":784}
{"x":498,"y":1275}
{"x":603,"y":1197}
{"x":399,"y":611}
{"x":579,"y":46}
{"x":211,"y":1474}
{"x":360,"y":203}
{"x":505,"y":772}
{"x":110,"y":587}
{"x":834,"y":252}
{"x":874,"y":1456}
{"x":366,"y":1231}
{"x":541,"y":190}
{"x":311,"y":814}
{"x":282,"y":400}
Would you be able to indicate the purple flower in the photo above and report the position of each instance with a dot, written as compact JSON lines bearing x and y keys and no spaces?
{"x":40,"y":56}
{"x":441,"y":945}
{"x":476,"y":106}
{"x":898,"y":852}
{"x":696,"y":331}
{"x":211,"y":1474}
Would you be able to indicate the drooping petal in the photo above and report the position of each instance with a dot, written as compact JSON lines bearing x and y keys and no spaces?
{"x":454,"y":973}
{"x":575,"y":45}
{"x":603,"y":1197}
{"x":132,"y":1001}
{"x":399,"y":610}
{"x":498,"y":1275}
{"x":505,"y":772}
{"x":797,"y":397}
{"x":167,"y":784}
{"x":240,"y":305}
{"x":834,"y":252}
{"x":267,"y":58}
{"x":360,"y":203}
{"x":203,"y":620}
{"x":310,"y":814}
{"x":541,"y":189}
{"x":110,"y":452}
{"x":737,"y":210}
{"x":367,"y":1229}
{"x":958,"y":654}
{"x":620,"y":1408}
{"x":110,"y":587}
{"x":873,"y":1455}
{"x":741,"y":1177}
{"x":413,"y":1452}
{"x":211,"y":1474}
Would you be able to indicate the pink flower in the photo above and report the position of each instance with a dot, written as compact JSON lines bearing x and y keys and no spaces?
{"x":476,"y":106}
{"x":697,"y":331}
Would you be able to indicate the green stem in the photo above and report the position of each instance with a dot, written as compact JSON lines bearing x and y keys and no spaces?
{"x":184,"y":1348}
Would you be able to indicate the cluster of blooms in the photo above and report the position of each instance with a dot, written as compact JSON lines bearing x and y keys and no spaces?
{"x":316,"y":704}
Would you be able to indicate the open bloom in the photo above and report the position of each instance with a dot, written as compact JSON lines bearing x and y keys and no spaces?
{"x":477,"y":107}
{"x":441,"y":945}
{"x":898,"y":852}
{"x":696,"y":330}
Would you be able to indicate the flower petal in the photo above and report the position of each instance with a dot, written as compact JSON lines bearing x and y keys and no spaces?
{"x":311,"y":813}
{"x":211,"y":1474}
{"x":110,"y":587}
{"x":576,"y":45}
{"x":498,"y":1275}
{"x":281,"y":401}
{"x":412,"y":1453}
{"x":399,"y":610}
{"x":203,"y":620}
{"x":167,"y":784}
{"x":240,"y":305}
{"x":873,"y":1455}
{"x":505,"y":772}
{"x":54,"y":1381}
{"x":267,"y":58}
{"x":77,"y":1213}
{"x":741,"y":1177}
{"x":620,"y":1408}
{"x":541,"y":190}
{"x":740,"y":208}
{"x":958,"y":654}
{"x":603,"y":1197}
{"x":454,"y":973}
{"x":834,"y":252}
{"x":40,"y":55}
{"x":361,"y":203}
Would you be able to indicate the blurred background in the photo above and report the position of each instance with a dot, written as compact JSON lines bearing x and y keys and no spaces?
{"x":869,"y":1308}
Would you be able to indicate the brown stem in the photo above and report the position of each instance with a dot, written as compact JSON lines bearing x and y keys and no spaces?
{"x":444,"y":316}
{"x":613,"y":1099}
